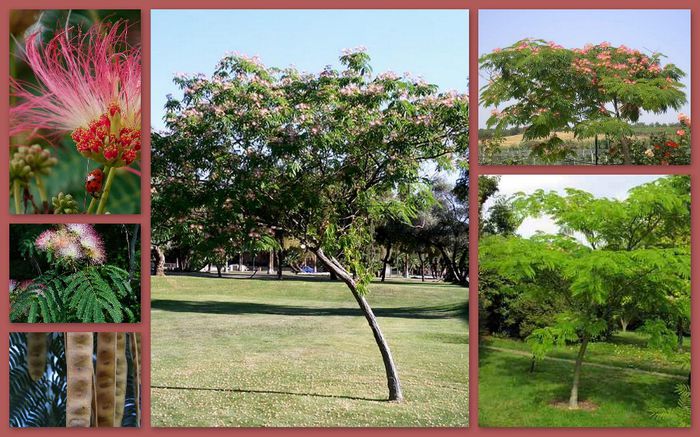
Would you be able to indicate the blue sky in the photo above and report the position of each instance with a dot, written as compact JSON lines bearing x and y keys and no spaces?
{"x":665,"y":31}
{"x":611,"y":186}
{"x":433,"y":44}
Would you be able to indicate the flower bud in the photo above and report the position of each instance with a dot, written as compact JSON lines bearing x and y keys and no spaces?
{"x":64,"y":204}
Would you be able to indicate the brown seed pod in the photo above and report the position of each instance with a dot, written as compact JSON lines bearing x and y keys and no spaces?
{"x":79,"y":346}
{"x":106,"y":378}
{"x":36,"y":354}
{"x":136,"y":362}
{"x":122,"y":372}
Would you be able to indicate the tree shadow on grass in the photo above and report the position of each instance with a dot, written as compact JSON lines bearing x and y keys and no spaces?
{"x":309,"y":277}
{"x":273,"y":392}
{"x":238,"y":308}
{"x":610,"y":389}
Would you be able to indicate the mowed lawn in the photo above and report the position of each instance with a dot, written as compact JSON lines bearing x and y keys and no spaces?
{"x":613,"y":380}
{"x":262,"y":352}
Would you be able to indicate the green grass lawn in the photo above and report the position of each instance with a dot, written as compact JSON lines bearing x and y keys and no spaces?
{"x":511,"y":396}
{"x":261,"y":352}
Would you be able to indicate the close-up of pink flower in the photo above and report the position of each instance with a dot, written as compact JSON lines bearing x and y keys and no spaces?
{"x":88,"y":85}
{"x":73,"y":242}
{"x":44,"y":239}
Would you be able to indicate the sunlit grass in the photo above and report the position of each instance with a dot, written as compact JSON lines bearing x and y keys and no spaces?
{"x":299,"y":353}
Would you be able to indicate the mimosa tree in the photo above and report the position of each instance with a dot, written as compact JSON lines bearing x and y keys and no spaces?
{"x":596,"y":90}
{"x":611,"y":255}
{"x":321,"y":157}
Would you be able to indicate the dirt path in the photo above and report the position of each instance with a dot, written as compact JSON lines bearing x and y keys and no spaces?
{"x":587,"y":364}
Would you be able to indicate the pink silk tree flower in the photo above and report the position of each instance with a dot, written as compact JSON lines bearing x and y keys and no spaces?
{"x":88,"y":85}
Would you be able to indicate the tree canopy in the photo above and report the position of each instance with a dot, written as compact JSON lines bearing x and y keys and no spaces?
{"x":595,"y":90}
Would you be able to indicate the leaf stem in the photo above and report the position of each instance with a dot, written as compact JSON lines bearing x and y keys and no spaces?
{"x":16,"y":195}
{"x":105,"y":193}
{"x":42,"y":193}
{"x":91,"y":207}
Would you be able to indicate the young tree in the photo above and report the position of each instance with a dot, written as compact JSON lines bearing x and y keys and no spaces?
{"x":610,"y":255}
{"x":319,"y":156}
{"x":596,"y":90}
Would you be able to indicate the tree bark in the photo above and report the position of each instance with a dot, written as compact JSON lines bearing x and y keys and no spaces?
{"x":160,"y":260}
{"x":385,"y":261}
{"x":623,"y":324}
{"x":422,"y":267}
{"x":392,"y":375}
{"x":280,"y":261}
{"x":573,"y":398}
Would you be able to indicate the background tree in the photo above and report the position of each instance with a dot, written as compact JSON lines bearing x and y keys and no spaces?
{"x":316,"y":155}
{"x":446,"y":229}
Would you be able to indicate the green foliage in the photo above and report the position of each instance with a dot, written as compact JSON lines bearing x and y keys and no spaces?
{"x":90,"y":295}
{"x":37,"y":403}
{"x":660,"y":336}
{"x":543,"y":340}
{"x":678,"y":416}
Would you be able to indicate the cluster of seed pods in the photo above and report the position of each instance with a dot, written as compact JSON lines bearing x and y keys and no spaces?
{"x":97,"y":370}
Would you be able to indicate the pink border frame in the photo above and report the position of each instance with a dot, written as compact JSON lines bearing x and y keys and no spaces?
{"x":144,"y":218}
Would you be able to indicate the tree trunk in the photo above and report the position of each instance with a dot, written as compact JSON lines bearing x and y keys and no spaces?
{"x":405,"y":267}
{"x":573,"y":399}
{"x":392,"y":375}
{"x":160,"y":260}
{"x":449,"y":264}
{"x":271,"y":262}
{"x":623,"y":324}
{"x":422,"y":267}
{"x":280,"y":261}
{"x":240,"y":261}
{"x":626,"y":154}
{"x":385,"y":261}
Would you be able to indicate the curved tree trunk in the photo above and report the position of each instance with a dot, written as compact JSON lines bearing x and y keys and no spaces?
{"x":160,"y":260}
{"x":392,"y":375}
{"x":573,"y":398}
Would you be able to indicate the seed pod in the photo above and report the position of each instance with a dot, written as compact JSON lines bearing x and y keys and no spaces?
{"x":80,"y":372}
{"x":136,"y":362}
{"x":36,"y":354}
{"x":122,"y":372}
{"x":106,"y":378}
